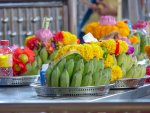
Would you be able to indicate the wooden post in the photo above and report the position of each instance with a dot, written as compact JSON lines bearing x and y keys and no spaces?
{"x":72,"y":15}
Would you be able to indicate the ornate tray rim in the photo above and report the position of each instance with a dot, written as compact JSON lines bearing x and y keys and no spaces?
{"x":17,"y":80}
{"x":70,"y":91}
{"x":25,"y":76}
{"x":116,"y":86}
{"x":38,"y":85}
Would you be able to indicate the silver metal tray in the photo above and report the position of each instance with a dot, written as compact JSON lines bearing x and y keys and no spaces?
{"x":70,"y":91}
{"x":17,"y":81}
{"x":129,"y":83}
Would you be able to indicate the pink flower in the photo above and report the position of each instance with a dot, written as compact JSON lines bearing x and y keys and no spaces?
{"x":14,"y":47}
{"x":44,"y":34}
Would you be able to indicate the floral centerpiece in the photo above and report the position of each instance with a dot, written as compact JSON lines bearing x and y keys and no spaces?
{"x":90,"y":64}
{"x":124,"y":58}
{"x":45,"y":44}
{"x":39,"y":49}
{"x":114,"y":55}
{"x":126,"y":46}
{"x":119,"y":52}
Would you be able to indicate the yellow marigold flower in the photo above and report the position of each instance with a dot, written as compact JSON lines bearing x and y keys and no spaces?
{"x":109,"y":61}
{"x":80,"y":49}
{"x":97,"y":51}
{"x":116,"y":73}
{"x":123,"y":47}
{"x":88,"y":52}
{"x":62,"y":52}
{"x":97,"y":43}
{"x":69,"y":38}
{"x":147,"y":50}
{"x":134,"y":39}
{"x":110,"y":45}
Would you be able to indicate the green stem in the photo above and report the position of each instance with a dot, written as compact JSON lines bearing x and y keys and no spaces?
{"x":46,"y":23}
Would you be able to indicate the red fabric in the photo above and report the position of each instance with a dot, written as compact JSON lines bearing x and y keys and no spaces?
{"x":117,"y":48}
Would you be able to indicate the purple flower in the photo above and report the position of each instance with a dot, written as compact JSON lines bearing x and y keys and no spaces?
{"x":130,"y":49}
{"x":53,"y":45}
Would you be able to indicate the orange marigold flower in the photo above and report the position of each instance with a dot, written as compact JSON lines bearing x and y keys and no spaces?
{"x":99,"y":31}
{"x":147,"y":50}
{"x":134,"y":39}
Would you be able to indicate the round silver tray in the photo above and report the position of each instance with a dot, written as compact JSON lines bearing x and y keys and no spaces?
{"x":70,"y":91}
{"x":17,"y":81}
{"x":129,"y":83}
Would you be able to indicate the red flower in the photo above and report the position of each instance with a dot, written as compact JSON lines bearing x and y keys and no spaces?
{"x":78,"y":41}
{"x":33,"y":43}
{"x":18,"y":67}
{"x":30,"y":54}
{"x":58,"y":37}
{"x":21,"y":57}
{"x":25,"y":51}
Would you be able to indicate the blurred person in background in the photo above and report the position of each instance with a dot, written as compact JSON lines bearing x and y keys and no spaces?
{"x":96,"y":8}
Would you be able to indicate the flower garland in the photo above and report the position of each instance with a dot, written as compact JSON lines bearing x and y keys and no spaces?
{"x":99,"y":31}
{"x":87,"y":51}
{"x":109,"y":61}
{"x":97,"y":51}
{"x":123,"y":47}
{"x":65,"y":38}
{"x":69,"y":38}
{"x":110,"y":45}
{"x":115,"y":47}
